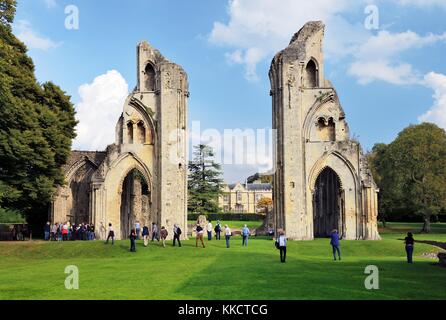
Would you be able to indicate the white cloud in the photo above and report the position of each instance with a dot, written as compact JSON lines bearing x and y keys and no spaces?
{"x":423,"y":3}
{"x":437,"y":113}
{"x":377,"y":59}
{"x":50,"y":3}
{"x":99,"y":110}
{"x":31,"y":38}
{"x":257,"y":29}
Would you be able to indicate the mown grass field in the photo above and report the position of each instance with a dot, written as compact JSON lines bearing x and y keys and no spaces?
{"x":35,"y":270}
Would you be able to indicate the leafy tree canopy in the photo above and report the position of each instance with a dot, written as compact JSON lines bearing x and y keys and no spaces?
{"x":411,"y":172}
{"x":37,"y":125}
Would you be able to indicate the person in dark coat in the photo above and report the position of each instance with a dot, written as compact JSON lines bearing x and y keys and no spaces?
{"x":132,"y":240}
{"x":176,"y":235}
{"x":335,"y":244}
{"x":409,"y":241}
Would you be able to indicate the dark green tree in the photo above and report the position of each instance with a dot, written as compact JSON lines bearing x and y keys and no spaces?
{"x":7,"y":11}
{"x":411,"y":172}
{"x":205,"y":181}
{"x":37,"y":125}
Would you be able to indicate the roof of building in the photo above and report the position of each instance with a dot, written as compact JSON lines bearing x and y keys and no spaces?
{"x":252,"y":186}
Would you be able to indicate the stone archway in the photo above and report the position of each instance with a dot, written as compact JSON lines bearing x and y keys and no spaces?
{"x":134,"y":202}
{"x":328,"y":204}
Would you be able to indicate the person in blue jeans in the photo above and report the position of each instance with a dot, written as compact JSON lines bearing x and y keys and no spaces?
{"x":228,"y":234}
{"x":334,"y":241}
{"x":47,"y":231}
{"x":409,"y":241}
{"x":245,"y":235}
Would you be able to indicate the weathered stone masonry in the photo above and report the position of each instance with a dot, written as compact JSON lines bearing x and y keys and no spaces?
{"x":143,"y":175}
{"x":322,"y":180}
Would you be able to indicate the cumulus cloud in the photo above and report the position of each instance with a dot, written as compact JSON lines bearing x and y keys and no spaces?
{"x":257,"y":29}
{"x":377,"y":58}
{"x":98,"y":111}
{"x":31,"y":38}
{"x":437,"y":113}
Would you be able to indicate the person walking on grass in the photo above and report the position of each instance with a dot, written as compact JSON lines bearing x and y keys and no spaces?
{"x":217,"y":230}
{"x":209,"y":230}
{"x":145,"y":235}
{"x":228,"y":235}
{"x":409,"y":241}
{"x":199,"y":230}
{"x":281,"y":245}
{"x":137,"y":229}
{"x":245,"y":235}
{"x":176,"y":235}
{"x":132,"y":240}
{"x":111,"y":234}
{"x":163,"y":234}
{"x":335,"y":244}
{"x":155,"y":232}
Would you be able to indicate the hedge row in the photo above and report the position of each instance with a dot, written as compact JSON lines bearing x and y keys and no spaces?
{"x":229,"y":216}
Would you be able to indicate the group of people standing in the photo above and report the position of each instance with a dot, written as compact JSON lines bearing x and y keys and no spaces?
{"x":147,"y":234}
{"x":218,"y":229}
{"x":281,"y":244}
{"x":86,"y":231}
{"x":67,"y":231}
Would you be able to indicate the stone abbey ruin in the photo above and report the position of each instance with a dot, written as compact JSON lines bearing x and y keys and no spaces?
{"x":322,"y":180}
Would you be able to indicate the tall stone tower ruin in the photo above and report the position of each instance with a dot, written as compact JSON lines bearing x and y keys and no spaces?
{"x":322,"y":180}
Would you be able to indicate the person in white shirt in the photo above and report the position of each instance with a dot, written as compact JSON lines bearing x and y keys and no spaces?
{"x":281,"y":245}
{"x":209,"y":230}
{"x":111,"y":234}
{"x":228,"y":234}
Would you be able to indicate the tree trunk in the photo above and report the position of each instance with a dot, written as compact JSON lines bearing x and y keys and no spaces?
{"x":426,"y":225}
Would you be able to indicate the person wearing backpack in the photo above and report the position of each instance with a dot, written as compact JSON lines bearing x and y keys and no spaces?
{"x":245,"y":235}
{"x":145,"y":235}
{"x":164,"y":235}
{"x":217,"y":230}
{"x":176,"y":235}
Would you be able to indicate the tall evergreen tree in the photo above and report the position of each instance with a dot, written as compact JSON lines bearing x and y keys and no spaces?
{"x":37,"y":125}
{"x":204,"y":181}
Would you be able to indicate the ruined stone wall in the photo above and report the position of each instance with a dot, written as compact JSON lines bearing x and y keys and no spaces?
{"x":312,"y":134}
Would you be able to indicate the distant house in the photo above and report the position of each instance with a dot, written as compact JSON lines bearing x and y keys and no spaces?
{"x":243,"y":198}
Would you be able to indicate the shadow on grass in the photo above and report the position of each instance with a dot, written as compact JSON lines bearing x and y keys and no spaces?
{"x":262,"y":276}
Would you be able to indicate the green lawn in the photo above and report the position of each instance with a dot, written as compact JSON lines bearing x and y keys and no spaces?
{"x":35,"y":270}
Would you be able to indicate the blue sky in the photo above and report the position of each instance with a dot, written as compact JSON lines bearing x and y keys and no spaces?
{"x":387,"y":78}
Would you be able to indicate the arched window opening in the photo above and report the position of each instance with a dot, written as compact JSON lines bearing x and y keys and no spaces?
{"x":141,"y":132}
{"x":326,"y":129}
{"x":150,"y":77}
{"x":312,"y":75}
{"x":130,"y":132}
